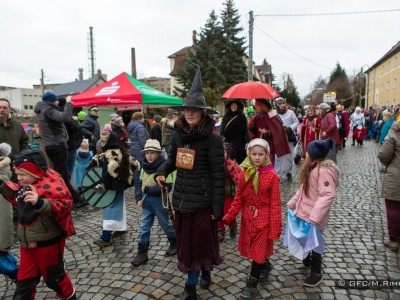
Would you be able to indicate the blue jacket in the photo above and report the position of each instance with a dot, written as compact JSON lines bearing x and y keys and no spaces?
{"x":385,"y":129}
{"x":138,"y":136}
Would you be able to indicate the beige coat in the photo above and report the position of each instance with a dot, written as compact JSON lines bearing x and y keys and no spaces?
{"x":6,"y":211}
{"x":389,"y":155}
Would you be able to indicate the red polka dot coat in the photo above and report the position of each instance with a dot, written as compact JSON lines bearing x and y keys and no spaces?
{"x":51,"y":187}
{"x":261,"y":221}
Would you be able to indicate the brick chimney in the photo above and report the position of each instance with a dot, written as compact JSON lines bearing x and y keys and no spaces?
{"x":80,"y":74}
{"x":194,"y":35}
{"x":133,"y":58}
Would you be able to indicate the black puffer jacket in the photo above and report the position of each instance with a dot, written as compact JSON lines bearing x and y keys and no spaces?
{"x":203,"y":187}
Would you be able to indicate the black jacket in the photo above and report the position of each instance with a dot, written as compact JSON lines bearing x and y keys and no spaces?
{"x":74,"y":136}
{"x":90,"y":127}
{"x":156,"y":132}
{"x":203,"y":187}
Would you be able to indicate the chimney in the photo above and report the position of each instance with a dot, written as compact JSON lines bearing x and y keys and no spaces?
{"x":194,"y":38}
{"x":133,"y":57}
{"x":80,"y":74}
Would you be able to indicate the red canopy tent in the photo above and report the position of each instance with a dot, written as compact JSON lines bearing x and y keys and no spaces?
{"x":126,"y":91}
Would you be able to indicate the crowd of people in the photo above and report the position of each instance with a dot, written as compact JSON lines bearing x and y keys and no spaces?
{"x":192,"y":171}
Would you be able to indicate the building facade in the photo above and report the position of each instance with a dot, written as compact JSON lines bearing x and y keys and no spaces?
{"x":23,"y":99}
{"x":158,"y":83}
{"x":383,"y":77}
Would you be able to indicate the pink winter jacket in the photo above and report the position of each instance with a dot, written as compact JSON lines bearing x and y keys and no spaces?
{"x":315,"y":208}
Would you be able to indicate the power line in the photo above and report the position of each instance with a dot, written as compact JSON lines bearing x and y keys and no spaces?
{"x":331,"y":14}
{"x":294,"y":52}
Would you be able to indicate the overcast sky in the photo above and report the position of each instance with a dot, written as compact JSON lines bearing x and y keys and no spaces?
{"x":53,"y":35}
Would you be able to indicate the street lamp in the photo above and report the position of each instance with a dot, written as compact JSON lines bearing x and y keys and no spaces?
{"x":366,"y":88}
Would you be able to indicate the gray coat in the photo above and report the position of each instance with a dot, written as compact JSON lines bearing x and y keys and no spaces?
{"x":389,"y":155}
{"x":138,"y":135}
{"x":51,"y":122}
{"x":6,"y":211}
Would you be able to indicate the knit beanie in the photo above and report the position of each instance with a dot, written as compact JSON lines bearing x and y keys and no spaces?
{"x":113,"y":116}
{"x":319,"y":148}
{"x":5,"y":149}
{"x":32,"y":161}
{"x":157,"y":118}
{"x":49,"y":97}
{"x":107,"y":127}
{"x":81,"y":115}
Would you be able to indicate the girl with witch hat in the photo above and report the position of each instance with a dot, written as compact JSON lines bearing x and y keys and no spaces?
{"x":258,"y":197}
{"x":198,"y":198}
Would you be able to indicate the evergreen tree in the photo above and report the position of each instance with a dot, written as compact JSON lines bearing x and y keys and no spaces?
{"x":207,"y":54}
{"x":219,"y":52}
{"x":339,"y":82}
{"x":289,"y":91}
{"x":233,"y":66}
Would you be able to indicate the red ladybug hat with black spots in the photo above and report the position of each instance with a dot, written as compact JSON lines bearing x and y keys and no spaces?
{"x":31,"y":161}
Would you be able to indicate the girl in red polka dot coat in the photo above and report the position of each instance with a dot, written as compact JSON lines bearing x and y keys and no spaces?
{"x":258,"y":197}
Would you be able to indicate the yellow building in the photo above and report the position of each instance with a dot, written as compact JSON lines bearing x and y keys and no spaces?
{"x":383,"y":79}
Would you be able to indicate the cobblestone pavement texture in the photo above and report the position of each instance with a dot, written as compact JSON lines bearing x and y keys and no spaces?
{"x":354,"y":250}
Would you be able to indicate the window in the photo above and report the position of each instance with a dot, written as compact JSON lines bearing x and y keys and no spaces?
{"x":395,"y":82}
{"x":25,"y":106}
{"x":383,"y":68}
{"x":25,"y":95}
{"x":388,"y":85}
{"x":30,"y":106}
{"x":395,"y":61}
{"x":388,"y":65}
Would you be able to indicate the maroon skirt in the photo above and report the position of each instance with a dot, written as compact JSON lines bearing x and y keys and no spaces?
{"x":196,"y":241}
{"x":393,"y":219}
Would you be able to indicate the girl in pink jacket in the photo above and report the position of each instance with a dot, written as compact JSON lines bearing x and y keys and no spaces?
{"x":308,"y":210}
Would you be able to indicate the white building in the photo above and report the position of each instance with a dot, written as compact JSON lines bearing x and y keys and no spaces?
{"x":23,"y":99}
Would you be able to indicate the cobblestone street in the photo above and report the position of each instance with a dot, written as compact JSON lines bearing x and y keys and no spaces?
{"x":354,"y":250}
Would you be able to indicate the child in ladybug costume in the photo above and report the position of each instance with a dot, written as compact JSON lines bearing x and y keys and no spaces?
{"x":43,"y":204}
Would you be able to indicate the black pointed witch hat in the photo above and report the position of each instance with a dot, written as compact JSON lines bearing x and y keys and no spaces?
{"x":196,"y":96}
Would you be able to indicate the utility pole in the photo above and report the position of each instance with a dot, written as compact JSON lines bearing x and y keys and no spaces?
{"x":359,"y":83}
{"x":250,"y":63}
{"x":42,"y":80}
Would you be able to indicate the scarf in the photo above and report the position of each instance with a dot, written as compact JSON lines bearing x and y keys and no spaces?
{"x":252,"y":170}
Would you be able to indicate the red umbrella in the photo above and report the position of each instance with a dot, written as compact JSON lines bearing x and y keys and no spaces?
{"x":251,"y":90}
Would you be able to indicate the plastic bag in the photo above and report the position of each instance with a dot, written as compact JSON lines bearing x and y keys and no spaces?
{"x":8,"y":264}
{"x":298,"y":150}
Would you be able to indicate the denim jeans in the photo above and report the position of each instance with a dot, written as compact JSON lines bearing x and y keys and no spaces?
{"x":152,"y":207}
{"x":71,"y":160}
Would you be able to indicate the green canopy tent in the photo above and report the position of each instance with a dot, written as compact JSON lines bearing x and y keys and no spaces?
{"x":125,"y":92}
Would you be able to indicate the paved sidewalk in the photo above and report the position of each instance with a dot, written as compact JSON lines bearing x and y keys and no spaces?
{"x":354,"y":242}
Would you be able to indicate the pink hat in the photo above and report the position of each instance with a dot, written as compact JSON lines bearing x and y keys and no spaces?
{"x":107,"y":127}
